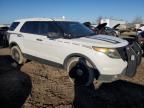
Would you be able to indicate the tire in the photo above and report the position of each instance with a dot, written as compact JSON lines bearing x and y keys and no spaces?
{"x":17,"y":55}
{"x":81,"y":71}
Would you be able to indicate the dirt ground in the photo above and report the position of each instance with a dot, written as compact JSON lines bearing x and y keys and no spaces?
{"x":53,"y":89}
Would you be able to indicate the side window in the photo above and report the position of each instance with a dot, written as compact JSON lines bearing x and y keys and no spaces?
{"x":48,"y":27}
{"x":13,"y":26}
{"x":30,"y":27}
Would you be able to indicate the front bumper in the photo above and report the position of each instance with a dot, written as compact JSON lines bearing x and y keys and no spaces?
{"x":130,"y":56}
{"x":139,"y":52}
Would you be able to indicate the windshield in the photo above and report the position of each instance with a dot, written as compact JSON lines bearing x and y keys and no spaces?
{"x":75,"y":29}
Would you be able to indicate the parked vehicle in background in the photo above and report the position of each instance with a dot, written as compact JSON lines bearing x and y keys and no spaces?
{"x":3,"y":36}
{"x":142,"y":28}
{"x":85,"y":55}
{"x":141,"y":39}
{"x":103,"y":29}
{"x":112,"y":22}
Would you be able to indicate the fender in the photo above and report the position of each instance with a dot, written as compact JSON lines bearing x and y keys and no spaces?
{"x":77,"y":55}
{"x":12,"y":44}
{"x":15,"y":43}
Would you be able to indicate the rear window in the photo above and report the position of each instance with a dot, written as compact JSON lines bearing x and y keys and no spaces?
{"x":30,"y":27}
{"x":13,"y":26}
{"x":39,"y":27}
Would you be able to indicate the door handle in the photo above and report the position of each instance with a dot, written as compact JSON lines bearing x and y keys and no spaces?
{"x":19,"y":35}
{"x":39,"y":39}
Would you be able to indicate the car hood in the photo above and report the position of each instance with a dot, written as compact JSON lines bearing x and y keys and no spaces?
{"x":114,"y":27}
{"x":101,"y":41}
{"x":100,"y":26}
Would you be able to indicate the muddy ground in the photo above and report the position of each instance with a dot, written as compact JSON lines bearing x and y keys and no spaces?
{"x":51,"y":88}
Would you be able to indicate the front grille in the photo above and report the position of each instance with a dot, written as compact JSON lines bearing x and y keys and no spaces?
{"x":123,"y":53}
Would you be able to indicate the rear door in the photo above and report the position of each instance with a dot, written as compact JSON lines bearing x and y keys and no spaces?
{"x":31,"y":38}
{"x":37,"y":43}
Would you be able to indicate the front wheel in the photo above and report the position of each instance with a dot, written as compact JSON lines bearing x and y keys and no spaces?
{"x":80,"y":71}
{"x":16,"y":54}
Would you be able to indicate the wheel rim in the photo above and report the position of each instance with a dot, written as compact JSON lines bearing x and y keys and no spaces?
{"x":80,"y":74}
{"x":16,"y":55}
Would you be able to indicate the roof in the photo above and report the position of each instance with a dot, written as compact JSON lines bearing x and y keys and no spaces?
{"x":39,"y":19}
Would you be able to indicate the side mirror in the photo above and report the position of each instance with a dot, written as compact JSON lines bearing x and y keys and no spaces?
{"x":53,"y":35}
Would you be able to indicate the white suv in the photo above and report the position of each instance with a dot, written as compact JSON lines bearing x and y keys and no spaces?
{"x":72,"y":45}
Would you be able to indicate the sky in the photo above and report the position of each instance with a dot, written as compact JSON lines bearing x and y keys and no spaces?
{"x":78,"y":10}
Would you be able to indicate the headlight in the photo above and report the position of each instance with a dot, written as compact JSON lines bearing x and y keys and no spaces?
{"x":113,"y":53}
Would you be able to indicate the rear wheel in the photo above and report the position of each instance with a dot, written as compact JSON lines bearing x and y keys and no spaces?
{"x":17,"y":55}
{"x":80,"y":71}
